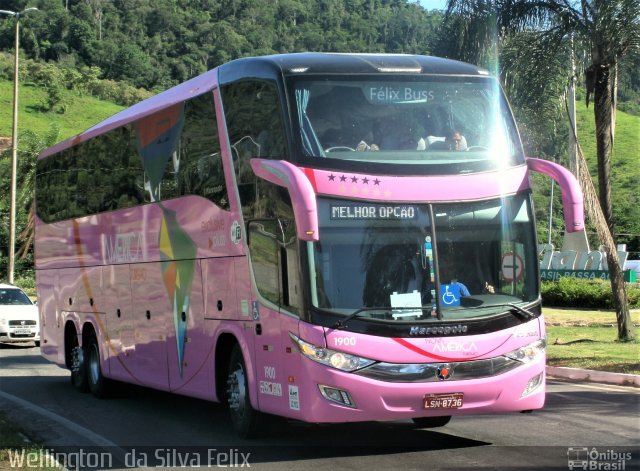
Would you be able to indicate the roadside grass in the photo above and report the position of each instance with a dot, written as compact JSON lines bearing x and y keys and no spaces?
{"x":584,"y":317}
{"x":588,"y":339}
{"x":18,"y":450}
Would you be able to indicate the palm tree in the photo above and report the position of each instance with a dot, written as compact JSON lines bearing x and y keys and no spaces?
{"x":606,"y":30}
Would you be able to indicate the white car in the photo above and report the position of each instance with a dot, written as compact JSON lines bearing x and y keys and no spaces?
{"x":19,"y":318}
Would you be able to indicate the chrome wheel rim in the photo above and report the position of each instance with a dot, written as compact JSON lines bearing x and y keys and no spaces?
{"x":94,"y":364}
{"x":237,"y":391}
{"x":77,"y":359}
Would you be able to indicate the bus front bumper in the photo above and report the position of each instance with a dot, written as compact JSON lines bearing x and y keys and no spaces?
{"x":336,"y":396}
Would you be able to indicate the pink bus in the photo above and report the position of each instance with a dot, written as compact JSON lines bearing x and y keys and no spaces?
{"x":323,"y":237}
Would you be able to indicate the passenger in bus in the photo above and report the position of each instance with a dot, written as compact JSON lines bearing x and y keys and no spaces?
{"x":464,"y":291}
{"x":450,"y":268}
{"x":363,"y":146}
{"x":454,"y":140}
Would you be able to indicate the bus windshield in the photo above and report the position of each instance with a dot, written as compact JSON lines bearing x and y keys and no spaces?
{"x":432,"y":120}
{"x":423,"y":262}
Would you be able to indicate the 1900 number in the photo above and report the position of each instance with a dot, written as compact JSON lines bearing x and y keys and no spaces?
{"x":344,"y":341}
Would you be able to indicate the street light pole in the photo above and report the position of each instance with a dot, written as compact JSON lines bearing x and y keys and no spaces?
{"x":14,"y":143}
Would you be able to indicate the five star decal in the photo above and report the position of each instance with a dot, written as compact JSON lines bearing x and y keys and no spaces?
{"x":354,"y":179}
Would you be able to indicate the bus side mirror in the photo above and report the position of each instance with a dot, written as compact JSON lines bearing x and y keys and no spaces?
{"x":303,"y":196}
{"x":572,"y":198}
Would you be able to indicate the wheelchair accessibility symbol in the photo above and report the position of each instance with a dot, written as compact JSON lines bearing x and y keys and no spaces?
{"x":450,"y":295}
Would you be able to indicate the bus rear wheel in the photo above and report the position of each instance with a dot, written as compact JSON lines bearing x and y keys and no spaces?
{"x":244,"y":417}
{"x":98,"y":384}
{"x":78,"y":367}
{"x":431,"y":422}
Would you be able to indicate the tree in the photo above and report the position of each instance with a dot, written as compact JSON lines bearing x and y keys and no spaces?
{"x":606,"y":30}
{"x":31,"y":144}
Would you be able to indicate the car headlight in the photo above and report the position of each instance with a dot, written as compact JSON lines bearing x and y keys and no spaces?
{"x":3,"y":321}
{"x":528,"y":353}
{"x":339,"y":360}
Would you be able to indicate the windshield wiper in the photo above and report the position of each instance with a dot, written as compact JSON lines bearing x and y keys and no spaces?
{"x":342,"y":323}
{"x":520,"y":311}
{"x":516,"y":310}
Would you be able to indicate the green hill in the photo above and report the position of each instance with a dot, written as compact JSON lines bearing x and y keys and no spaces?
{"x":81,"y":112}
{"x":627,"y":139}
{"x":625,"y":165}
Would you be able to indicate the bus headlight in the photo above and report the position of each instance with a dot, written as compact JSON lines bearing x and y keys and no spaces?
{"x":326,"y":356}
{"x":528,"y":353}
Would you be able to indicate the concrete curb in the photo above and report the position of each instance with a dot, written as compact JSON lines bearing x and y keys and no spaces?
{"x":594,"y":376}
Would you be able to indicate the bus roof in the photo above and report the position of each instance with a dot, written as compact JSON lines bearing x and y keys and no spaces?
{"x":338,"y":63}
{"x":271,"y":67}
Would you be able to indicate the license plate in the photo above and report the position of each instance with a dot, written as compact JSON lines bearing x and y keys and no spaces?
{"x":443,"y":401}
{"x":22,"y":331}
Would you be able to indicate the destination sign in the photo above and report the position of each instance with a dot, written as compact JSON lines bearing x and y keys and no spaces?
{"x":391,"y":93}
{"x":372,"y":212}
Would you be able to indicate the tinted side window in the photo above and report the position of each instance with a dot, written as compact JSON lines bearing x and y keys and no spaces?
{"x":254,"y":120}
{"x":200,"y":167}
{"x":194,"y":163}
{"x":99,"y":175}
{"x":173,"y":153}
{"x":254,"y":123}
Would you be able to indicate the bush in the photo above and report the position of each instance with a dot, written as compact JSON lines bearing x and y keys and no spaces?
{"x":27,"y":282}
{"x":117,"y":92}
{"x":54,"y":77}
{"x":574,"y":292}
{"x":43,"y":74}
{"x":6,"y":66}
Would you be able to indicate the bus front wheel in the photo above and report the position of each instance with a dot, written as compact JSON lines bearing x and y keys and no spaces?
{"x":244,"y":417}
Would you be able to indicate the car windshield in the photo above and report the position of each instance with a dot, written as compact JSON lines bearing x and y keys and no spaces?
{"x":422,"y":262}
{"x":13,"y":296}
{"x":429,"y":120}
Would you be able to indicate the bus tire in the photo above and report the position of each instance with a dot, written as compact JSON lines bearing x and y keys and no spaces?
{"x":78,"y":366}
{"x":431,"y":422}
{"x":244,"y":418}
{"x":98,"y":384}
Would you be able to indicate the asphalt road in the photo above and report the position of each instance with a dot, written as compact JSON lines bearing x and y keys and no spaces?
{"x":590,"y":425}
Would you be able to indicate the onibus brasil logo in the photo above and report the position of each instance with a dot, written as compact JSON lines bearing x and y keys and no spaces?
{"x":594,"y":459}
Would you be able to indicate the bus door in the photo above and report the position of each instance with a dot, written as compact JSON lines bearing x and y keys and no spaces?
{"x":274,"y":263}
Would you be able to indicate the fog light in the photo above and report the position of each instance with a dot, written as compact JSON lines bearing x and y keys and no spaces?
{"x":336,"y":395}
{"x":533,"y":384}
